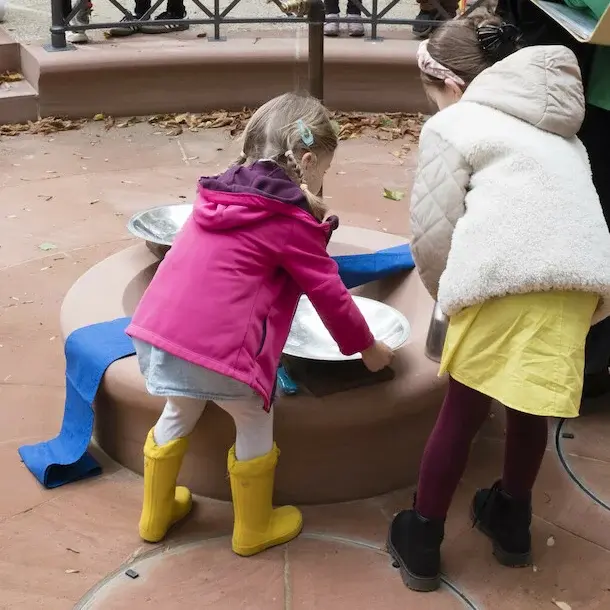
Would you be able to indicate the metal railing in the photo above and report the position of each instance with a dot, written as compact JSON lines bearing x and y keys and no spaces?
{"x":300,"y":11}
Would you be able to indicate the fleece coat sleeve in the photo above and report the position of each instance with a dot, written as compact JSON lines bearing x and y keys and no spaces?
{"x":437,"y":203}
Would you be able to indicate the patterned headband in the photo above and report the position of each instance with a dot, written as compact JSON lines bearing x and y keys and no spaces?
{"x":428,"y":65}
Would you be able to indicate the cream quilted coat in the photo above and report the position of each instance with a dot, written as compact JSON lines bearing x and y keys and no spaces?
{"x":503,"y":201}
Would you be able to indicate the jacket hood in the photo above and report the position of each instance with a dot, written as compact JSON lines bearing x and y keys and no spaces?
{"x":245,"y":195}
{"x":541,"y":85}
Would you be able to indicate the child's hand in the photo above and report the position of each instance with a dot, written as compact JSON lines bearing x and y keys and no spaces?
{"x":377,"y":357}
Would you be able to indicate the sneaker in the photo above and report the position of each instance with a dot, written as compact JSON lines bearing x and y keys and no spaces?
{"x":80,"y":37}
{"x":414,"y":543}
{"x":121,"y":31}
{"x":179,"y":26}
{"x":423,"y":30}
{"x":355,"y":27}
{"x":507,"y":522}
{"x":331,"y":27}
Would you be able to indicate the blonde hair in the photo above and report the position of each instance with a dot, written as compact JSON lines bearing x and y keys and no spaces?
{"x":283,"y":130}
{"x":460,"y":44}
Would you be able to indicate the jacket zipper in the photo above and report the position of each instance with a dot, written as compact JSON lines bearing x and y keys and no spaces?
{"x":262,"y":344}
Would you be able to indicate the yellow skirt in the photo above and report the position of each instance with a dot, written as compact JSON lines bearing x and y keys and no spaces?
{"x":526,"y":351}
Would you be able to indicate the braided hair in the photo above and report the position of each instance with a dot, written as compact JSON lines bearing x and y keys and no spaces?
{"x":283,"y":130}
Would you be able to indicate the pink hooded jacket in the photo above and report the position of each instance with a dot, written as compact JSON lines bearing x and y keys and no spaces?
{"x":224,"y":296}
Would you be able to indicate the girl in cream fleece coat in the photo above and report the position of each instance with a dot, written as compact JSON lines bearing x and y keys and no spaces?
{"x":510,"y":238}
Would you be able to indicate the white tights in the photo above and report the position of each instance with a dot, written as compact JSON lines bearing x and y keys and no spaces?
{"x":253,"y":425}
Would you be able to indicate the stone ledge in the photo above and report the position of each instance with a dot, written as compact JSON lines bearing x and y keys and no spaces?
{"x":144,"y":76}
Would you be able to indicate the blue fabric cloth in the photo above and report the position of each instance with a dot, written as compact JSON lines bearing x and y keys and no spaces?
{"x":359,"y":269}
{"x":91,"y":350}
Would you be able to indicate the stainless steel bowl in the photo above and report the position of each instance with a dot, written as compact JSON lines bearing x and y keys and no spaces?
{"x":159,"y":226}
{"x":437,"y":331}
{"x":309,"y":338}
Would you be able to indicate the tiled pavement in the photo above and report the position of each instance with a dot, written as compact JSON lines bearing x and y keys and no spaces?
{"x":69,"y":547}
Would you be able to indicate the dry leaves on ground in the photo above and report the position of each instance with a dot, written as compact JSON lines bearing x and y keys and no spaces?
{"x":43,"y":127}
{"x":390,"y":126}
{"x":387,"y":127}
{"x":10,"y":77}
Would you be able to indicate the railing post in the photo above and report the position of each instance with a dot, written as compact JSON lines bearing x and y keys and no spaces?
{"x":374,"y":18}
{"x":315,"y":19}
{"x":58,"y":35}
{"x":217,"y":19}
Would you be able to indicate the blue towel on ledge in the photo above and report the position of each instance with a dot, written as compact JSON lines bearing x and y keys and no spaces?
{"x":91,"y":350}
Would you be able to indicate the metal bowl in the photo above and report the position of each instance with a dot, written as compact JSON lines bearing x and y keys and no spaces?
{"x":159,"y":226}
{"x":309,"y":338}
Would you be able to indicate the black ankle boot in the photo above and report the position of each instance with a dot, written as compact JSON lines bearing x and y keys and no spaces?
{"x":415,"y":545}
{"x":507,"y":522}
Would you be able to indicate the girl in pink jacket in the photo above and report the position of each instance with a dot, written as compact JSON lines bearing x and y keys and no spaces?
{"x":213,"y":323}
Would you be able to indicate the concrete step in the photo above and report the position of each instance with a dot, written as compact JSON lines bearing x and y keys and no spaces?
{"x":148,"y":75}
{"x":9,"y":52}
{"x":18,"y":102}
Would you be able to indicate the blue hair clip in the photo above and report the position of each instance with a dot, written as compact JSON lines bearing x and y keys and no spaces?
{"x":306,"y":135}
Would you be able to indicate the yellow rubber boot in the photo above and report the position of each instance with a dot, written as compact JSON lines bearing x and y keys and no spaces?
{"x":258,"y":526}
{"x":164,"y":503}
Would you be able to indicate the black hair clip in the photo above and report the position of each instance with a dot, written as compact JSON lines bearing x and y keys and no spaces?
{"x":499,"y":40}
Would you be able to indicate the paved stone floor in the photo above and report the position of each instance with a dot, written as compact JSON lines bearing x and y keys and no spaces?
{"x":69,"y":547}
{"x":29,"y":20}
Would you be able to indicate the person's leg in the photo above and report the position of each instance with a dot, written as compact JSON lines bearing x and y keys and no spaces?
{"x":429,"y":11}
{"x":331,"y":27}
{"x":526,"y":440}
{"x":416,"y":535}
{"x":141,"y":7}
{"x":165,"y":447}
{"x":251,"y":464}
{"x":352,"y":8}
{"x":504,"y":511}
{"x":175,"y":10}
{"x":597,"y":350}
{"x":66,"y":8}
{"x":355,"y":27}
{"x":178,"y":420}
{"x":83,"y":17}
{"x":446,"y":454}
{"x":331,"y":7}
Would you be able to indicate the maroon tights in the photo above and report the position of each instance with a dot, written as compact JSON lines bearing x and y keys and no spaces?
{"x":444,"y":461}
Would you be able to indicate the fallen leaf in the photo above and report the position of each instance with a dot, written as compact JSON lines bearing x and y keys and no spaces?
{"x":348,"y":125}
{"x":393,"y":195}
{"x":10,"y":77}
{"x":176,"y":131}
{"x":46,"y":246}
{"x":43,"y":126}
{"x":562,"y":605}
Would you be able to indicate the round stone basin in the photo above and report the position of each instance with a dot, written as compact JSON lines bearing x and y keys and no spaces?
{"x":343,"y":446}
